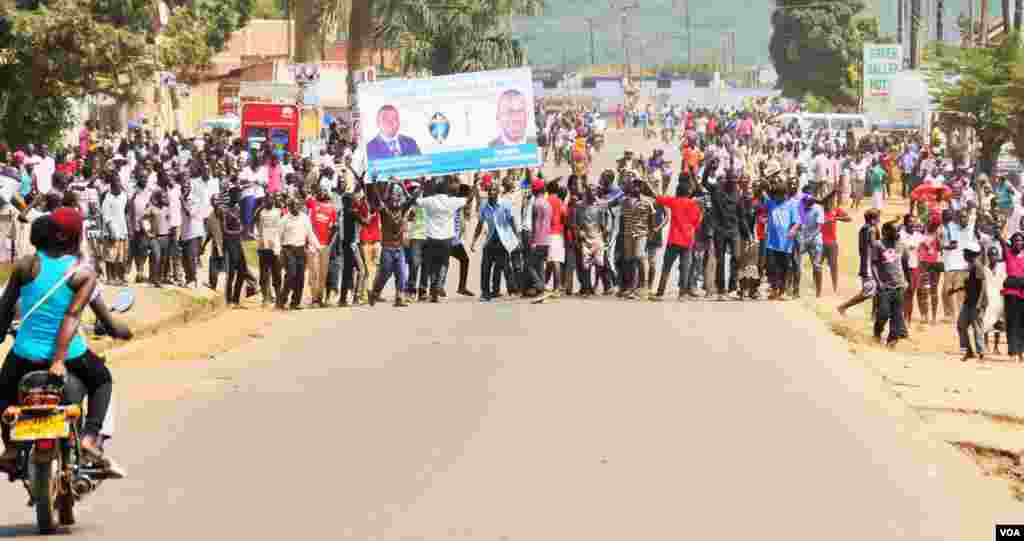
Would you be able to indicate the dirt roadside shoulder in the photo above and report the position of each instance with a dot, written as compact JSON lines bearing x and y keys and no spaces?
{"x":973,"y":406}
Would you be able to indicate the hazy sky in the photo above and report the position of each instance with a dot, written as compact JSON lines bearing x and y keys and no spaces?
{"x":658,"y":29}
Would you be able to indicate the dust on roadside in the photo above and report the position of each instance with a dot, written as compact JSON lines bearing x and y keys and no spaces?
{"x":964,"y":402}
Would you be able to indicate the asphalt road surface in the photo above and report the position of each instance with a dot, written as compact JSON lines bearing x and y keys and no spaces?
{"x":589,"y":420}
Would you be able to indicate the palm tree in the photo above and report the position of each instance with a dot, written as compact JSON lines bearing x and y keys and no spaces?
{"x":455,"y":36}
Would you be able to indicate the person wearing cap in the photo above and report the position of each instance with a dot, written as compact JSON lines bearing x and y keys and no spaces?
{"x":57,"y":286}
{"x":539,"y":240}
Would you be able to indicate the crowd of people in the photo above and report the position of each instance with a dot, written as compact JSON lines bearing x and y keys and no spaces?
{"x":753,"y":198}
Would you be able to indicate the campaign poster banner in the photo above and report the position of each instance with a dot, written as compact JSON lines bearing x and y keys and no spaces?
{"x":481,"y":121}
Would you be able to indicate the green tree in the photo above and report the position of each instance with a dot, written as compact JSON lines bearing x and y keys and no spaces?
{"x":974,"y":86}
{"x":75,"y":54}
{"x":75,"y":48}
{"x":453,"y":37}
{"x":28,"y":117}
{"x":812,"y":46}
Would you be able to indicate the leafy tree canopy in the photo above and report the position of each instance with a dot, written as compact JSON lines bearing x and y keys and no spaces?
{"x":454,"y":37}
{"x":976,"y":87}
{"x":814,"y":44}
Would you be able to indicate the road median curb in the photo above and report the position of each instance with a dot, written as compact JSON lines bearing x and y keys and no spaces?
{"x":198,"y":308}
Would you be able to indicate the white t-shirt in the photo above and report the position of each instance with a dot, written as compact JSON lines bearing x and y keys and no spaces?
{"x":441,"y":211}
{"x":257,"y":180}
{"x":44,"y":174}
{"x":113,"y":210}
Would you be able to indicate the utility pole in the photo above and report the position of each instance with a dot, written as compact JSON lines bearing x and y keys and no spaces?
{"x":970,"y":23}
{"x":915,"y":33}
{"x":625,"y":35}
{"x":899,"y":21}
{"x":689,"y":33}
{"x":732,"y":35}
{"x":984,"y":23}
{"x":590,"y":24}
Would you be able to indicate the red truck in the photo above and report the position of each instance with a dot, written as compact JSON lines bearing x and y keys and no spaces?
{"x":276,"y":122}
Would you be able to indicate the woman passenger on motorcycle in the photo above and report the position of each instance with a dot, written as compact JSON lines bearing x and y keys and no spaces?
{"x":49,"y":337}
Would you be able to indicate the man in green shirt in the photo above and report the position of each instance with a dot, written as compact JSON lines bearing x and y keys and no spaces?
{"x":876,"y":183}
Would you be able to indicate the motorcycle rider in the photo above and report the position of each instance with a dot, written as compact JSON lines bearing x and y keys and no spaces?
{"x":57,"y":286}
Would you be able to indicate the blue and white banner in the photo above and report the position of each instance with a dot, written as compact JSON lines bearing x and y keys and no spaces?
{"x":480,"y":121}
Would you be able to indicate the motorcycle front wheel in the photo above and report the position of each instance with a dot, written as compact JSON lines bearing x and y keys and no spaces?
{"x":45,"y":486}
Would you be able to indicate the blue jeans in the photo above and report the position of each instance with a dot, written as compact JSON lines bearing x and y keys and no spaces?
{"x":392,"y":261}
{"x":414,"y":257}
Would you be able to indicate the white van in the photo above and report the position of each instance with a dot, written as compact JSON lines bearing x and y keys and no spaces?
{"x":834,"y":121}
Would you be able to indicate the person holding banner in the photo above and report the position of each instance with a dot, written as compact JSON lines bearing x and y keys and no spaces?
{"x":389,"y":143}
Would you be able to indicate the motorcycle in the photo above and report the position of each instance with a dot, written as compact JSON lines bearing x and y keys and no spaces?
{"x":46,"y":429}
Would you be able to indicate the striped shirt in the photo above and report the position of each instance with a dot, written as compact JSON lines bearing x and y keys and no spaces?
{"x":637,"y":213}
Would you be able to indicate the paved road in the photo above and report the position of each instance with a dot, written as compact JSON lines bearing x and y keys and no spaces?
{"x":595,"y":420}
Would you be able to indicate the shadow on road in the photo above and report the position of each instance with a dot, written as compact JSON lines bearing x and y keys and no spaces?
{"x":27,"y":530}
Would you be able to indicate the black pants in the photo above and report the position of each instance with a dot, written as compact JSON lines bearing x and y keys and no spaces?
{"x":1014,"y":324}
{"x":295,"y":274}
{"x":414,"y":256}
{"x":435,"y":255}
{"x":538,"y":260}
{"x":237,"y":269}
{"x":89,"y":368}
{"x":493,"y":267}
{"x":191,"y":257}
{"x":458,"y":252}
{"x":890,"y":310}
{"x":685,"y":257}
{"x":724,"y":243}
{"x":165,"y":256}
{"x":155,"y":257}
{"x":515,"y":271}
{"x":778,"y":267}
{"x":351,"y":275}
{"x":270,"y":273}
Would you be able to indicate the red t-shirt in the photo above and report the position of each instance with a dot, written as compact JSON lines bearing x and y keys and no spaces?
{"x":828,"y":229}
{"x":762,"y":221}
{"x":369,"y":231}
{"x":557,"y":215}
{"x":323,"y":216}
{"x":686,"y":218}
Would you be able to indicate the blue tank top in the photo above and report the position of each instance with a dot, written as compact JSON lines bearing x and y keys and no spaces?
{"x":37,"y":336}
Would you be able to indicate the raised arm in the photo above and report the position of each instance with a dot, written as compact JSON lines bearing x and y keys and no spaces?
{"x":12,"y":292}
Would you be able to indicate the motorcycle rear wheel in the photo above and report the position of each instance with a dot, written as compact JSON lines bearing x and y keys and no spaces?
{"x":45,"y":480}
